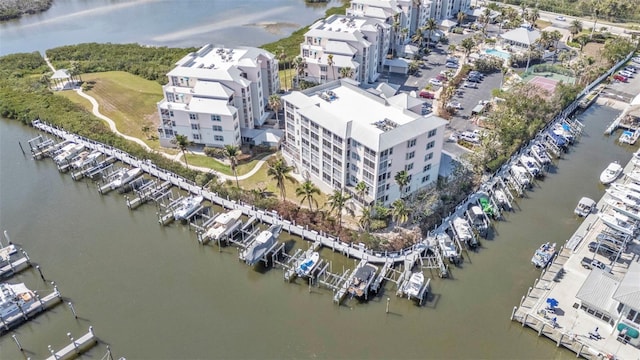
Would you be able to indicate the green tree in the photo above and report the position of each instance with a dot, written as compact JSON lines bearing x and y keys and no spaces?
{"x":346,"y":72}
{"x":467,"y":44}
{"x":460,"y":17}
{"x":231,"y":152}
{"x":365,"y":218}
{"x":298,"y":64}
{"x":430,"y":26}
{"x":399,"y":211}
{"x":330,"y":64}
{"x":337,"y":201}
{"x":616,"y":49}
{"x":575,"y":28}
{"x":418,"y":37}
{"x":280,"y":171}
{"x":452,"y":48}
{"x":275,"y":104}
{"x":307,"y":190}
{"x":402,"y":179}
{"x":182,"y":142}
{"x":361,"y":190}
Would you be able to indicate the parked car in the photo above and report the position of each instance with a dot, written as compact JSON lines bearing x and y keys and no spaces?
{"x":620,"y":78}
{"x":426,"y":95}
{"x":625,"y":73}
{"x":470,"y":84}
{"x":589,"y":263}
{"x":603,"y":249}
{"x":455,"y":105}
{"x":630,"y":68}
{"x":474,"y":79}
{"x":441,"y":77}
{"x":636,"y":59}
{"x":476,"y":73}
{"x":561,"y":18}
{"x":435,"y":82}
{"x":469,"y":136}
{"x":452,"y":60}
{"x":451,"y":65}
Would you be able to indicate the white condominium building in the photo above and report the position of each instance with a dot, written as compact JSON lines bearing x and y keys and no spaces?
{"x":448,"y":9}
{"x":214,"y":92}
{"x":340,"y":42}
{"x":338,"y":134}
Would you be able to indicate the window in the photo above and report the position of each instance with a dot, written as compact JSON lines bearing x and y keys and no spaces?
{"x":195,"y":126}
{"x":170,"y":97}
{"x":411,"y":143}
{"x":215,"y":117}
{"x":323,"y":67}
{"x":196,"y":136}
{"x":218,"y":138}
{"x":171,"y":113}
{"x":431,"y":144}
{"x":410,"y":155}
{"x":216,"y":128}
{"x":408,"y":167}
{"x":432,"y":133}
{"x":428,"y":157}
{"x":426,"y":168}
{"x":193,"y":116}
{"x":425,"y":178}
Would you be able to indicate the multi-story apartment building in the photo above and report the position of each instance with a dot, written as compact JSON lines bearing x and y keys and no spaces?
{"x":395,"y":13}
{"x":448,"y":9}
{"x":338,"y":134}
{"x":340,"y":41}
{"x":214,"y":92}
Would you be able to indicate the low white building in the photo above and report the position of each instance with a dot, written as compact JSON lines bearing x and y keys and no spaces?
{"x":214,"y":92}
{"x":338,"y":134}
{"x":339,"y":42}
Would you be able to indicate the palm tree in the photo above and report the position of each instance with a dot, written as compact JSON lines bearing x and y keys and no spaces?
{"x":555,"y":37}
{"x":74,"y":70}
{"x":452,"y":48}
{"x":231,"y":152}
{"x":365,"y":218}
{"x":275,"y":103}
{"x":346,"y":72}
{"x":430,"y":26}
{"x":395,"y":26}
{"x":418,"y":37}
{"x":460,"y":17}
{"x":279,"y":171}
{"x":399,"y":212}
{"x":402,"y":179}
{"x":467,"y":44}
{"x":361,"y":190}
{"x":306,"y":190}
{"x":330,"y":64}
{"x":534,"y":15}
{"x":337,"y":201}
{"x":183,"y":143}
{"x":298,"y":64}
{"x":487,"y":18}
{"x":575,"y":28}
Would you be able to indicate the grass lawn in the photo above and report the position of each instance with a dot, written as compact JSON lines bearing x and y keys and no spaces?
{"x":209,"y":162}
{"x":541,"y":24}
{"x":286,"y":78}
{"x":75,"y":98}
{"x":127,"y":99}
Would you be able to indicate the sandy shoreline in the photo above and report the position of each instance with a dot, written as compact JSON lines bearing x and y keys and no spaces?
{"x":274,"y":27}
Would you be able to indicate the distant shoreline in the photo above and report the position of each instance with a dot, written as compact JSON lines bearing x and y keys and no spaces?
{"x":14,"y":9}
{"x":274,"y":27}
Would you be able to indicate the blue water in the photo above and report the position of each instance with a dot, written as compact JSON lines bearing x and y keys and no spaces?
{"x":498,"y":53}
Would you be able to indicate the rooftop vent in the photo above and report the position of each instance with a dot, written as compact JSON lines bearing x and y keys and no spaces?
{"x":385,"y":125}
{"x":328,"y":96}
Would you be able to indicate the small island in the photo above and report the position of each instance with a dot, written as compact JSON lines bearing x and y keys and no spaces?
{"x":13,"y":9}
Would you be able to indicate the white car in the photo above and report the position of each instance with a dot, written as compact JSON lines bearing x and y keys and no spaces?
{"x":469,"y":84}
{"x":451,"y":65}
{"x":469,"y":136}
{"x":630,"y":68}
{"x":626,"y":73}
{"x":455,"y":105}
{"x":435,"y":82}
{"x":561,"y":18}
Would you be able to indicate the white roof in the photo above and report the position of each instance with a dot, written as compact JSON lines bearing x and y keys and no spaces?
{"x":404,"y":101}
{"x":628,"y":292}
{"x":60,"y":74}
{"x":387,"y":90}
{"x":411,"y":49}
{"x":210,"y":106}
{"x":598,"y":289}
{"x":261,"y":136}
{"x":339,"y":47}
{"x":448,"y":23}
{"x":397,"y":62}
{"x":522,"y":36}
{"x":212,"y":89}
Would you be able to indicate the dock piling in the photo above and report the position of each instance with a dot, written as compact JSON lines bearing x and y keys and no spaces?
{"x":388,"y":301}
{"x":513,"y":312}
{"x":15,"y":338}
{"x":23,"y":153}
{"x":40,"y":272}
{"x":73,"y":310}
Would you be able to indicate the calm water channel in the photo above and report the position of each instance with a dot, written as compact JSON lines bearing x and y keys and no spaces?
{"x":153,"y":292}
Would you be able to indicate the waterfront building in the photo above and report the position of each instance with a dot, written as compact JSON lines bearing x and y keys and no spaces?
{"x":338,"y":42}
{"x":338,"y":135}
{"x":215,"y":92}
{"x":448,"y":9}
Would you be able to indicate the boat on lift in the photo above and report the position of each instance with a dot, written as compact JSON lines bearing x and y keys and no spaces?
{"x":307,"y":265}
{"x":260,"y":245}
{"x":14,"y":298}
{"x":540,"y":154}
{"x":447,"y":247}
{"x":124,"y":177}
{"x":187,"y":207}
{"x":620,"y":223}
{"x":414,"y":285}
{"x":85,"y":158}
{"x":464,"y":232}
{"x":520,"y":175}
{"x":531,"y":165}
{"x":224,"y":225}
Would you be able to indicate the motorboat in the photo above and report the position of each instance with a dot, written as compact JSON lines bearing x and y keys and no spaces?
{"x":260,"y":245}
{"x":619,"y":222}
{"x":585,"y":207}
{"x":540,"y":154}
{"x":629,"y":137}
{"x":85,"y":158}
{"x":68,"y":152}
{"x":559,"y":140}
{"x":361,"y":280}
{"x":14,"y":298}
{"x":224,"y":225}
{"x":447,"y":246}
{"x":124,"y":177}
{"x":530,"y":165}
{"x":187,"y":207}
{"x":611,"y":173}
{"x":633,"y":187}
{"x":543,"y":255}
{"x":628,"y":197}
{"x":6,"y":252}
{"x":478,"y":220}
{"x":464,"y":232}
{"x":520,"y":175}
{"x":623,"y":208}
{"x":502,"y":199}
{"x":307,"y":265}
{"x":563,"y":130}
{"x":487,"y":206}
{"x":634,"y":176}
{"x":414,"y":285}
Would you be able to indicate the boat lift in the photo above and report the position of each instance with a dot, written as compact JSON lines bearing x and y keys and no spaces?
{"x":145,"y":193}
{"x":39,"y":146}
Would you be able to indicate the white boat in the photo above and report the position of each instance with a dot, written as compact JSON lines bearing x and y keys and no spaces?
{"x":447,"y":246}
{"x":634,"y":176}
{"x":564,"y":130}
{"x":611,"y":173}
{"x":502,"y":199}
{"x":629,"y":137}
{"x":632,"y":187}
{"x":224,"y":225}
{"x":260,"y":245}
{"x":628,"y":197}
{"x":68,"y":152}
{"x":13,"y":298}
{"x":623,"y":208}
{"x":125,"y":177}
{"x":85,"y":160}
{"x":585,"y":207}
{"x":619,"y":222}
{"x":307,"y":265}
{"x":543,"y":255}
{"x":464,"y":232}
{"x":414,"y":285}
{"x":187,"y":207}
{"x":478,"y":219}
{"x":530,"y":165}
{"x":520,"y":175}
{"x":540,"y":154}
{"x":6,"y":252}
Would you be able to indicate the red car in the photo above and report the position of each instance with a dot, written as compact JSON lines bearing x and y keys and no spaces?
{"x":441,"y":77}
{"x":620,"y":78}
{"x":426,"y":95}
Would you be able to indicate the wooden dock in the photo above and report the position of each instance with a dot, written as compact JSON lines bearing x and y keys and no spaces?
{"x":76,"y":347}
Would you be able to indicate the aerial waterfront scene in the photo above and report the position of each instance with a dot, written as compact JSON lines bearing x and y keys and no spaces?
{"x":222,"y":198}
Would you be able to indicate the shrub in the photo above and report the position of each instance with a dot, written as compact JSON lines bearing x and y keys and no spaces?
{"x":378,"y":224}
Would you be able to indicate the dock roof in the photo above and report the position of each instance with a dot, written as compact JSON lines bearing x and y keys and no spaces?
{"x":628,"y":292}
{"x":598,"y":289}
